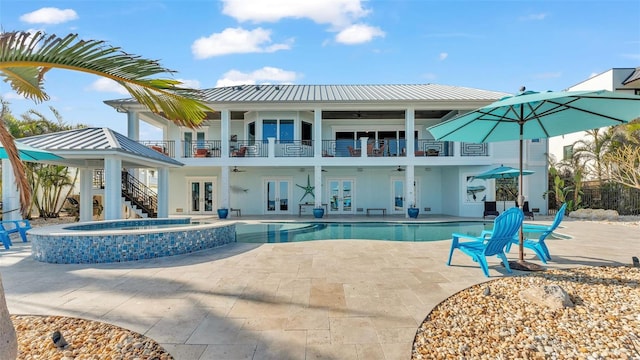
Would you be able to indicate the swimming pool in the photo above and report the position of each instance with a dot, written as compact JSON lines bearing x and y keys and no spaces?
{"x":294,"y":232}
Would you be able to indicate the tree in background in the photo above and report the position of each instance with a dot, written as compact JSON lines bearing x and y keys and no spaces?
{"x":591,"y":150}
{"x":624,"y":158}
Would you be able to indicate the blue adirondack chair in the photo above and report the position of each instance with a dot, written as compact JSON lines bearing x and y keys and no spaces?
{"x":505,"y":228}
{"x":538,"y":246}
{"x":8,"y":227}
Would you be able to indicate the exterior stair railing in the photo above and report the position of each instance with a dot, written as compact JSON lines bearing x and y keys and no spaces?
{"x":139,"y":195}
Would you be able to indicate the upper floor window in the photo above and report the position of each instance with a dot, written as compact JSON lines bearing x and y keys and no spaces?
{"x":567,"y":152}
{"x":281,"y":130}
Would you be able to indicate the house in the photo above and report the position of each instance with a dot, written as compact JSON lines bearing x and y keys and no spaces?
{"x":286,"y":149}
{"x":617,"y":79}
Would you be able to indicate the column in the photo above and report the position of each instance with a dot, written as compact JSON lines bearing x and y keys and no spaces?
{"x":317,"y":181}
{"x":224,"y":187}
{"x":112,"y":188}
{"x":133,"y":125}
{"x":410,"y":126}
{"x":86,"y":194}
{"x":225,"y":123}
{"x":271,"y":150}
{"x":163,"y":192}
{"x":317,"y":133}
{"x":363,"y":146}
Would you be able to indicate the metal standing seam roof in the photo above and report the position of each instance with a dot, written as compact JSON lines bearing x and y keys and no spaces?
{"x":340,"y":93}
{"x":92,"y":139}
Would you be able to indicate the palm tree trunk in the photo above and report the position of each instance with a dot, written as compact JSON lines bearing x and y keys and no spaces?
{"x":8,"y":338}
{"x":8,"y":142}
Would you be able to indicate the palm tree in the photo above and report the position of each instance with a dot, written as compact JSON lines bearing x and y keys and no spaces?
{"x":25,"y":58}
{"x":592,"y":150}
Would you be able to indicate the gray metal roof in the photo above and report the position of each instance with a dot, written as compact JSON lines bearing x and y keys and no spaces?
{"x":633,"y":77}
{"x":340,"y":93}
{"x":95,"y":140}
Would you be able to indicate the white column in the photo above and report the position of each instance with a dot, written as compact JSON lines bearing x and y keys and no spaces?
{"x":86,"y":194}
{"x":112,"y":188}
{"x":163,"y":192}
{"x":410,"y":127}
{"x":317,"y":181}
{"x":225,"y":133}
{"x":224,"y":188}
{"x":410,"y":193}
{"x":10,"y":194}
{"x":363,"y":146}
{"x":271,"y":150}
{"x":317,"y":133}
{"x":133,"y":125}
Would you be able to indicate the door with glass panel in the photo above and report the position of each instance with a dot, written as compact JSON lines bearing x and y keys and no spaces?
{"x":201,"y":196}
{"x":193,"y":140}
{"x":398,"y":202}
{"x":341,"y":196}
{"x":277,"y":195}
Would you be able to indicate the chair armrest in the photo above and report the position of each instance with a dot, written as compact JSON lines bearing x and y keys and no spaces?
{"x":467,"y":236}
{"x":534,"y":228}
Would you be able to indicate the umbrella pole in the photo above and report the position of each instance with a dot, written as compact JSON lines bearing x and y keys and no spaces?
{"x":521,"y":264}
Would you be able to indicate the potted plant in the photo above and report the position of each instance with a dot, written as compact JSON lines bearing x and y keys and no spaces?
{"x":223,"y":213}
{"x":318,"y":212}
{"x":413,"y":211}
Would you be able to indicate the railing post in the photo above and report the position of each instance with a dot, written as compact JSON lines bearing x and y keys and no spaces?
{"x":271,"y":150}
{"x":363,"y":146}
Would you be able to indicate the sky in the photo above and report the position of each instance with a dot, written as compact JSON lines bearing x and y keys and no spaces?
{"x":491,"y":45}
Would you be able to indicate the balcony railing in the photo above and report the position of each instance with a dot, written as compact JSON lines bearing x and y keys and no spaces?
{"x":293,"y":148}
{"x":304,"y":148}
{"x":249,"y":148}
{"x":166,"y":147}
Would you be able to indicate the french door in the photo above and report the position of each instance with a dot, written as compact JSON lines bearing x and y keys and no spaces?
{"x":398,"y":202}
{"x":277,"y":195}
{"x":202,"y":196}
{"x":341,"y":195}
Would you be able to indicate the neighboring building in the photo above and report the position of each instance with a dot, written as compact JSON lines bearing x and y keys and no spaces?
{"x":617,"y":79}
{"x":359,"y":146}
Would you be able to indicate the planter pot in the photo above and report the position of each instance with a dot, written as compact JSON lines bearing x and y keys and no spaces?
{"x":318,"y":213}
{"x":413,"y":212}
{"x":223,"y":213}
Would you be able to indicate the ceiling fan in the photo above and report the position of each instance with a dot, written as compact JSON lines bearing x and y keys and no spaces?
{"x":400,"y":169}
{"x":236,"y":170}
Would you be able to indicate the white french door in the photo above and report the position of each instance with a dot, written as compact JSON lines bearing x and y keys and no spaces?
{"x":202,"y":199}
{"x":398,"y":202}
{"x":341,"y":195}
{"x":277,"y":194}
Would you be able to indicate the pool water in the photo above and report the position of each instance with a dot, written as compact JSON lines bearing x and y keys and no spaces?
{"x":294,"y":232}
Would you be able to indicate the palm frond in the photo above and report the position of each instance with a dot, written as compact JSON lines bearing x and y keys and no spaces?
{"x":25,"y":58}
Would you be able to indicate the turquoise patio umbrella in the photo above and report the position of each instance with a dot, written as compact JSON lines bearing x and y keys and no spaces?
{"x":503,"y":172}
{"x":30,"y":153}
{"x":535,"y":115}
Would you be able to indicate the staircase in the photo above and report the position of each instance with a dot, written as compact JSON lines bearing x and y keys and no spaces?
{"x":139,"y":196}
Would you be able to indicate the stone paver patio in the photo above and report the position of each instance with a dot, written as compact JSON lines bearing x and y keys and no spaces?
{"x":336,"y":299}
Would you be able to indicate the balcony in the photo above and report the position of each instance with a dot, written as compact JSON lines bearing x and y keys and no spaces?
{"x":330,"y":148}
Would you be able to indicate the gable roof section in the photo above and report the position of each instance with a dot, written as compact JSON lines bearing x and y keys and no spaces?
{"x":635,"y":75}
{"x":99,"y":141}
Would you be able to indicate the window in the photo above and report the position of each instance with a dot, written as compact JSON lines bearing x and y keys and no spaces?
{"x":567,"y":152}
{"x":251,"y":131}
{"x":281,"y":130}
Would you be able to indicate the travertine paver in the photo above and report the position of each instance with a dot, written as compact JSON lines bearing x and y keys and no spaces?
{"x":314,"y":300}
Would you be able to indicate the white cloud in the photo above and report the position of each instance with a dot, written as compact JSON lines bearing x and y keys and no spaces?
{"x":13,"y":96}
{"x":264,"y":75}
{"x":107,"y":85}
{"x":631,"y":56}
{"x":236,"y":41}
{"x":358,"y":34}
{"x":49,"y":15}
{"x":443,"y":56}
{"x":192,"y":84}
{"x":339,"y":13}
{"x":534,"y":17}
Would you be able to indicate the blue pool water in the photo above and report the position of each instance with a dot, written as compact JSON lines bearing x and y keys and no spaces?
{"x":294,"y":232}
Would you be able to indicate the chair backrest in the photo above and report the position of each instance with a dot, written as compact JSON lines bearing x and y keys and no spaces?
{"x":73,"y":202}
{"x":505,"y":228}
{"x":490,"y":206}
{"x":558,"y":218}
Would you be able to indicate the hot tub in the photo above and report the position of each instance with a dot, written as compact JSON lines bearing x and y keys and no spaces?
{"x":126,"y":240}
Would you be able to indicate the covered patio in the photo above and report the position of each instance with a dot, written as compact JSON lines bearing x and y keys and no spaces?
{"x":89,"y":149}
